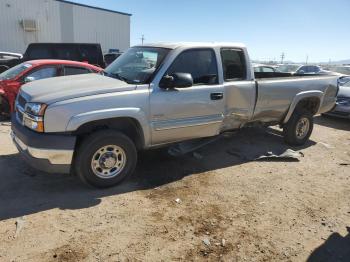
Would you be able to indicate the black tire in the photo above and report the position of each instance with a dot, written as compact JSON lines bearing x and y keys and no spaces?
{"x":290,"y":128}
{"x":4,"y":109}
{"x":91,"y":145}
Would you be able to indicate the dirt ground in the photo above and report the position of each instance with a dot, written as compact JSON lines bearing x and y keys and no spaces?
{"x":214,"y":205}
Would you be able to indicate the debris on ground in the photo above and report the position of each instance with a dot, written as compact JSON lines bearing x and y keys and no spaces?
{"x":206,"y":241}
{"x":223,"y":242}
{"x":19,"y":225}
{"x":344,"y":164}
{"x":326,"y":145}
{"x":289,"y":154}
{"x":178,"y":200}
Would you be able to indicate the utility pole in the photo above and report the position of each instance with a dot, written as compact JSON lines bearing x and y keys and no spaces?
{"x":142,"y":39}
{"x":282,"y":57}
{"x":307,"y":59}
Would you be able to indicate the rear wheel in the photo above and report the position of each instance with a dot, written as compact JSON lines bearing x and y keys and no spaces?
{"x":4,"y":109}
{"x":298,"y":128}
{"x":105,"y":158}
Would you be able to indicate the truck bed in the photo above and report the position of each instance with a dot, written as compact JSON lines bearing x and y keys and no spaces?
{"x":259,"y":75}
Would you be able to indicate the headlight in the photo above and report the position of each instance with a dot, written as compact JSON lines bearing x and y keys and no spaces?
{"x":34,"y":116}
{"x":36,"y":109}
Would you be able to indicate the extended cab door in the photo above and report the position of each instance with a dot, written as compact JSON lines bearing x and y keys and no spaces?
{"x":185,"y":113}
{"x":239,"y":85}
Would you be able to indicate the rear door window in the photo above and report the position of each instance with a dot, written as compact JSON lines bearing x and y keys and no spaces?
{"x":73,"y":70}
{"x":200,"y":63}
{"x":233,"y":64}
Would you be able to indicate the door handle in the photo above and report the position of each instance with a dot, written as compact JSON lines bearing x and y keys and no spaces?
{"x":216,"y":96}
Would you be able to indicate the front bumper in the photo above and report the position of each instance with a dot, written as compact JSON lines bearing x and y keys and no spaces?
{"x":46,"y":152}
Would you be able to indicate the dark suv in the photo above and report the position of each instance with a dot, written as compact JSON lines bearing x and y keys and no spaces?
{"x":90,"y":53}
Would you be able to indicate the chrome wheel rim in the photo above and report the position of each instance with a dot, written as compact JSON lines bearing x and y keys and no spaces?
{"x":108,"y":161}
{"x":302,"y":128}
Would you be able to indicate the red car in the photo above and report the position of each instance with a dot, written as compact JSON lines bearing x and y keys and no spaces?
{"x":12,"y":79}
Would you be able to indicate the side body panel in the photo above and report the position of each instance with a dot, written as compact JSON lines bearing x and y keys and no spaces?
{"x":276,"y":97}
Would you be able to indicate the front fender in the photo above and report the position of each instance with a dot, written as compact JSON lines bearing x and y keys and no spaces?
{"x":300,"y":96}
{"x":136,"y":113}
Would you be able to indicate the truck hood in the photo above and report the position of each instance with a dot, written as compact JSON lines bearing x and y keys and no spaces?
{"x":57,"y":89}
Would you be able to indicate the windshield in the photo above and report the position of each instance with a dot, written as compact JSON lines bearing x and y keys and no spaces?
{"x":137,"y":65}
{"x":288,"y":68}
{"x":14,"y":71}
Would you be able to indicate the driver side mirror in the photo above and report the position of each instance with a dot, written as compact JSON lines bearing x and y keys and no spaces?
{"x":176,"y":80}
{"x":29,"y":79}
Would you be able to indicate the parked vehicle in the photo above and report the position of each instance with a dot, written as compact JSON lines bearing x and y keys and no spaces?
{"x":89,"y":53}
{"x":304,"y":70}
{"x":12,"y":79}
{"x":153,"y":96}
{"x":8,"y":60}
{"x":342,"y":108}
{"x":110,"y":57}
{"x":258,"y":68}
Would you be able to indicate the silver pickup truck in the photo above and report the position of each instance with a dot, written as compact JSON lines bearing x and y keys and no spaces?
{"x":154,"y":95}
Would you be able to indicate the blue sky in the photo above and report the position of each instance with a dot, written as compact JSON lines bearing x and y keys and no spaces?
{"x":319,"y":29}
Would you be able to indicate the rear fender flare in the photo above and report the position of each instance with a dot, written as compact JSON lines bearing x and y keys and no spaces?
{"x":300,"y":96}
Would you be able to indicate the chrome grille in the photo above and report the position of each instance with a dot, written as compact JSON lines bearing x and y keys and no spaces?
{"x":20,"y":105}
{"x":21,"y":101}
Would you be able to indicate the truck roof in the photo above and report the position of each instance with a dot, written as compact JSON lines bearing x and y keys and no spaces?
{"x":174,"y":45}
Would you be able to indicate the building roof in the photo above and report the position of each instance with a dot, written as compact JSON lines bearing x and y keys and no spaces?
{"x":93,"y":7}
{"x":175,"y":45}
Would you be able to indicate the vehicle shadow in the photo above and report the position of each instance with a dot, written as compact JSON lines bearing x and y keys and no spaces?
{"x":26,"y":191}
{"x":333,"y":122}
{"x":335,"y":248}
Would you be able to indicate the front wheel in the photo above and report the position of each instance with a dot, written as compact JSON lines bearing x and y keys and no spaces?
{"x":298,"y":129}
{"x":105,"y":158}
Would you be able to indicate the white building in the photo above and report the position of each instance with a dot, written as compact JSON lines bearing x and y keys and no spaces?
{"x":31,"y":21}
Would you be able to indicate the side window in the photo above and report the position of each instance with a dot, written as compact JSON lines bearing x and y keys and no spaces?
{"x":315,"y":69}
{"x":201,"y":64}
{"x":71,"y":70}
{"x":39,"y":52}
{"x":267,"y":69}
{"x":42,"y":73}
{"x":67,"y":52}
{"x":233,"y":64}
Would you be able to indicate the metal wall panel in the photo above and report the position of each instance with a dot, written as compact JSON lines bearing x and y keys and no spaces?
{"x":60,"y":22}
{"x":96,"y":26}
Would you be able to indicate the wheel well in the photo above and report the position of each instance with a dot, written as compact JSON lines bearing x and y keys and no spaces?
{"x":128,"y":126}
{"x":310,"y":104}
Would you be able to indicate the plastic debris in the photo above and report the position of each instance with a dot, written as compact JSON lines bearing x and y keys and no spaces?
{"x":289,"y":154}
{"x":19,"y":225}
{"x":206,"y":241}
